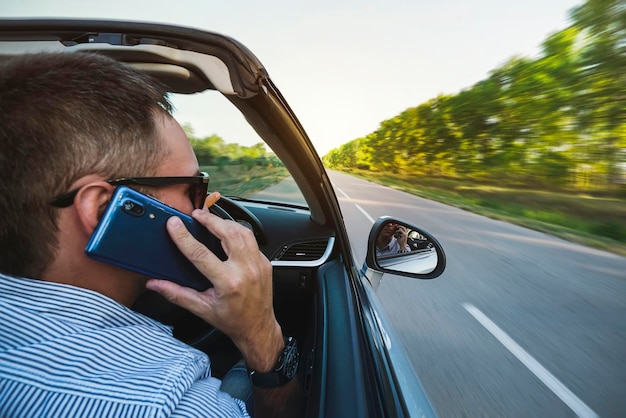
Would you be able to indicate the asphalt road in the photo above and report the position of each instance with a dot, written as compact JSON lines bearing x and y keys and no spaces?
{"x":521,"y":324}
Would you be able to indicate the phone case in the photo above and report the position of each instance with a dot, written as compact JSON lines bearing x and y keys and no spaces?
{"x":132,"y":235}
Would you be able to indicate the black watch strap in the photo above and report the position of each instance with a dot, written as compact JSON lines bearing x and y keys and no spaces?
{"x":284,"y":371}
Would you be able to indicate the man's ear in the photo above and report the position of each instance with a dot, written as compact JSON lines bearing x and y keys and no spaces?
{"x":90,"y":203}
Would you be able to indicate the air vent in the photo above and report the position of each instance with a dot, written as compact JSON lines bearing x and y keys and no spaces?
{"x":303,"y":251}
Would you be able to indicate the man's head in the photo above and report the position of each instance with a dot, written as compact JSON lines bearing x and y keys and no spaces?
{"x":385,"y":234}
{"x":65,"y":116}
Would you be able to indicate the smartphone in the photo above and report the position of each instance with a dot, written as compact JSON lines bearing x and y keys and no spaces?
{"x":132,"y":234}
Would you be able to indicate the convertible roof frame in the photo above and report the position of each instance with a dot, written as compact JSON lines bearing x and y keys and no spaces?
{"x":255,"y":95}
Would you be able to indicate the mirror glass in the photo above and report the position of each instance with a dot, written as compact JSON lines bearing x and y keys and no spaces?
{"x":402,"y":248}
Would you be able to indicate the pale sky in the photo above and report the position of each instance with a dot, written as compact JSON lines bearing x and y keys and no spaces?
{"x":344,"y":66}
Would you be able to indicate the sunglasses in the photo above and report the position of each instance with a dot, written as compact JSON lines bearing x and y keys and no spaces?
{"x":197,"y":193}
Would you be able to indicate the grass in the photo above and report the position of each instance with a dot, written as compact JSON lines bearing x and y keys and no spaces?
{"x":238,"y":180}
{"x":593,"y":219}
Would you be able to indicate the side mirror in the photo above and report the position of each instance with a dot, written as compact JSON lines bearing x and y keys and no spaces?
{"x":397,"y":247}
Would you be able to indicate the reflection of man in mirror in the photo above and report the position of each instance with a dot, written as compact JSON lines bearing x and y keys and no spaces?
{"x":392,"y":240}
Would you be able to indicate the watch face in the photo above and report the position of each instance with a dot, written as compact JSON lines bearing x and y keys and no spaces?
{"x":285,"y":369}
{"x":290,"y":358}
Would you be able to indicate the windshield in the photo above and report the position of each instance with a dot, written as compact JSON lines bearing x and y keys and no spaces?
{"x":237,"y":159}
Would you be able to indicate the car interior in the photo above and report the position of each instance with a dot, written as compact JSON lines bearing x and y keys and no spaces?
{"x":320,"y":296}
{"x":293,"y":235}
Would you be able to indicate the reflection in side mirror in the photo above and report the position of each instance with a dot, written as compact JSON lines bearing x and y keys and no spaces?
{"x":398,"y":247}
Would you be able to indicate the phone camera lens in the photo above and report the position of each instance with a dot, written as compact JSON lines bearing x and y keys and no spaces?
{"x":132,"y":207}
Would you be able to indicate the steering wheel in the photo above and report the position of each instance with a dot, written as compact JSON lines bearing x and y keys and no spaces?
{"x":187,"y":327}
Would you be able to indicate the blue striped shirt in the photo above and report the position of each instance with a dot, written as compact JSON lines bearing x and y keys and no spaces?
{"x":70,"y":352}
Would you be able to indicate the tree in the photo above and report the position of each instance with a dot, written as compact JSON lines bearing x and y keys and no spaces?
{"x":603,"y":23}
{"x":555,"y":118}
{"x":208,"y":149}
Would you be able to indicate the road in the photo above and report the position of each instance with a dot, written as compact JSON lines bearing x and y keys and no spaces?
{"x":520,"y":324}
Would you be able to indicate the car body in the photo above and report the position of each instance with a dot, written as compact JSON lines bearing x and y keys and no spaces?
{"x":352,"y":364}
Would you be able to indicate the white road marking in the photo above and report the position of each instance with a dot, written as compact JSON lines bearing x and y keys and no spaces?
{"x":367,"y":215}
{"x":559,"y":389}
{"x":342,"y":192}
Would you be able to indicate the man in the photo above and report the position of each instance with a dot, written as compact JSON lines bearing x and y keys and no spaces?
{"x":392,"y":239}
{"x":69,"y":344}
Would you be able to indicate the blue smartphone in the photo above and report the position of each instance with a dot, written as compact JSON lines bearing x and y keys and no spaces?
{"x":132,"y":234}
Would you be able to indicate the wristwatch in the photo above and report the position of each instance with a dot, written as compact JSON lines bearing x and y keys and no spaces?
{"x":284,"y":371}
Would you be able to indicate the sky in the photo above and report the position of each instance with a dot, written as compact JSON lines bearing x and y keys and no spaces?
{"x":344,"y":66}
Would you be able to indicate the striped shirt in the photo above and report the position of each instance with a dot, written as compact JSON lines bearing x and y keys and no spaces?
{"x":393,"y":247}
{"x":71,"y":352}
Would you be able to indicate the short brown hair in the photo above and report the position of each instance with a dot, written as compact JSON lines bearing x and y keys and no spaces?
{"x":64,"y":116}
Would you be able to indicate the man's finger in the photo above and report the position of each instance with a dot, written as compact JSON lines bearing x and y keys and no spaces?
{"x":185,"y":297}
{"x":211,"y":199}
{"x":234,"y":237}
{"x":194,"y":250}
{"x":172,"y":292}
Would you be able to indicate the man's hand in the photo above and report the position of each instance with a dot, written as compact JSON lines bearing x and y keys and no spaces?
{"x":240,"y":304}
{"x":402,"y":237}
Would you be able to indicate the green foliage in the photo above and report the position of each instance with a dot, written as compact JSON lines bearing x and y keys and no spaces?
{"x":556,"y":120}
{"x":213,"y":151}
{"x":236,"y":170}
{"x":593,"y":218}
{"x":231,"y":180}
